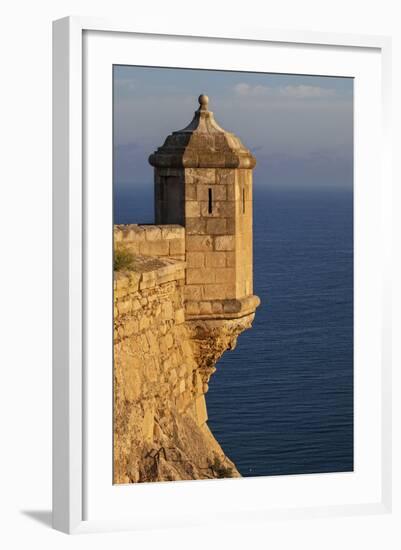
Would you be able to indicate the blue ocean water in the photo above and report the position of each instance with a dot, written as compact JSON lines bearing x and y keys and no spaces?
{"x":282,"y":401}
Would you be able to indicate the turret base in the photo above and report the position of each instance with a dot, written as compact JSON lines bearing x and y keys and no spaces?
{"x":234,"y":308}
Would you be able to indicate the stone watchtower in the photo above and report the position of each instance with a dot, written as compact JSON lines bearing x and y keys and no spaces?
{"x":203,"y":181}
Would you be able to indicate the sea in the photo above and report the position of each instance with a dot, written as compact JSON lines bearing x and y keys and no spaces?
{"x":281,"y":402}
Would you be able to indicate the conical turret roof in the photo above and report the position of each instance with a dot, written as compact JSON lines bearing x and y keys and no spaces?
{"x":202,"y":144}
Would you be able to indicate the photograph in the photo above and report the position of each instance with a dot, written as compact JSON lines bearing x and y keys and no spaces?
{"x":233,"y":271}
{"x":208,"y":215}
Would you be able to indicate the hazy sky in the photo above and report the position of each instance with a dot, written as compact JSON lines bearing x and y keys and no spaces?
{"x":300,"y":128}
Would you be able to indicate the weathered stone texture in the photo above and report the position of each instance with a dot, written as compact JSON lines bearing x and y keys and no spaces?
{"x":161,"y":371}
{"x":163,"y":241}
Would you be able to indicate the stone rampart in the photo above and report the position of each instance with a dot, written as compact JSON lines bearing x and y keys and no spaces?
{"x":160,"y":429}
{"x":161,"y":241}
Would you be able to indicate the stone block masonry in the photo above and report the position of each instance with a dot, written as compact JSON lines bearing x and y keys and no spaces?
{"x":218,"y":223}
{"x":161,"y":241}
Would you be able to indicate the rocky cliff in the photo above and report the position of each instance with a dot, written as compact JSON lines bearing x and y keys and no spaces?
{"x":162,"y":365}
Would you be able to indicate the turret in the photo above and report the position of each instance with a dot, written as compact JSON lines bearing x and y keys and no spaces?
{"x":203,"y":181}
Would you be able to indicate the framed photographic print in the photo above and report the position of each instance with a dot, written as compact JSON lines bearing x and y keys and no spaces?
{"x":220,"y":275}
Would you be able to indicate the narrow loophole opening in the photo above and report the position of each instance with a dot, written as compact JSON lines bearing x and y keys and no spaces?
{"x":210,"y":208}
{"x":243,"y":201}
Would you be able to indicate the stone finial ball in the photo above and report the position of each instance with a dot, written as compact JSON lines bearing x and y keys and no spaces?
{"x":203,"y":101}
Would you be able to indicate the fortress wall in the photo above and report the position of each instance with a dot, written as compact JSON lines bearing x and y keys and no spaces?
{"x":158,"y":387}
{"x":161,"y":241}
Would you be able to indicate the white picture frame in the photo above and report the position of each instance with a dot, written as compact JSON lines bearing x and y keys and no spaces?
{"x":71,"y":242}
